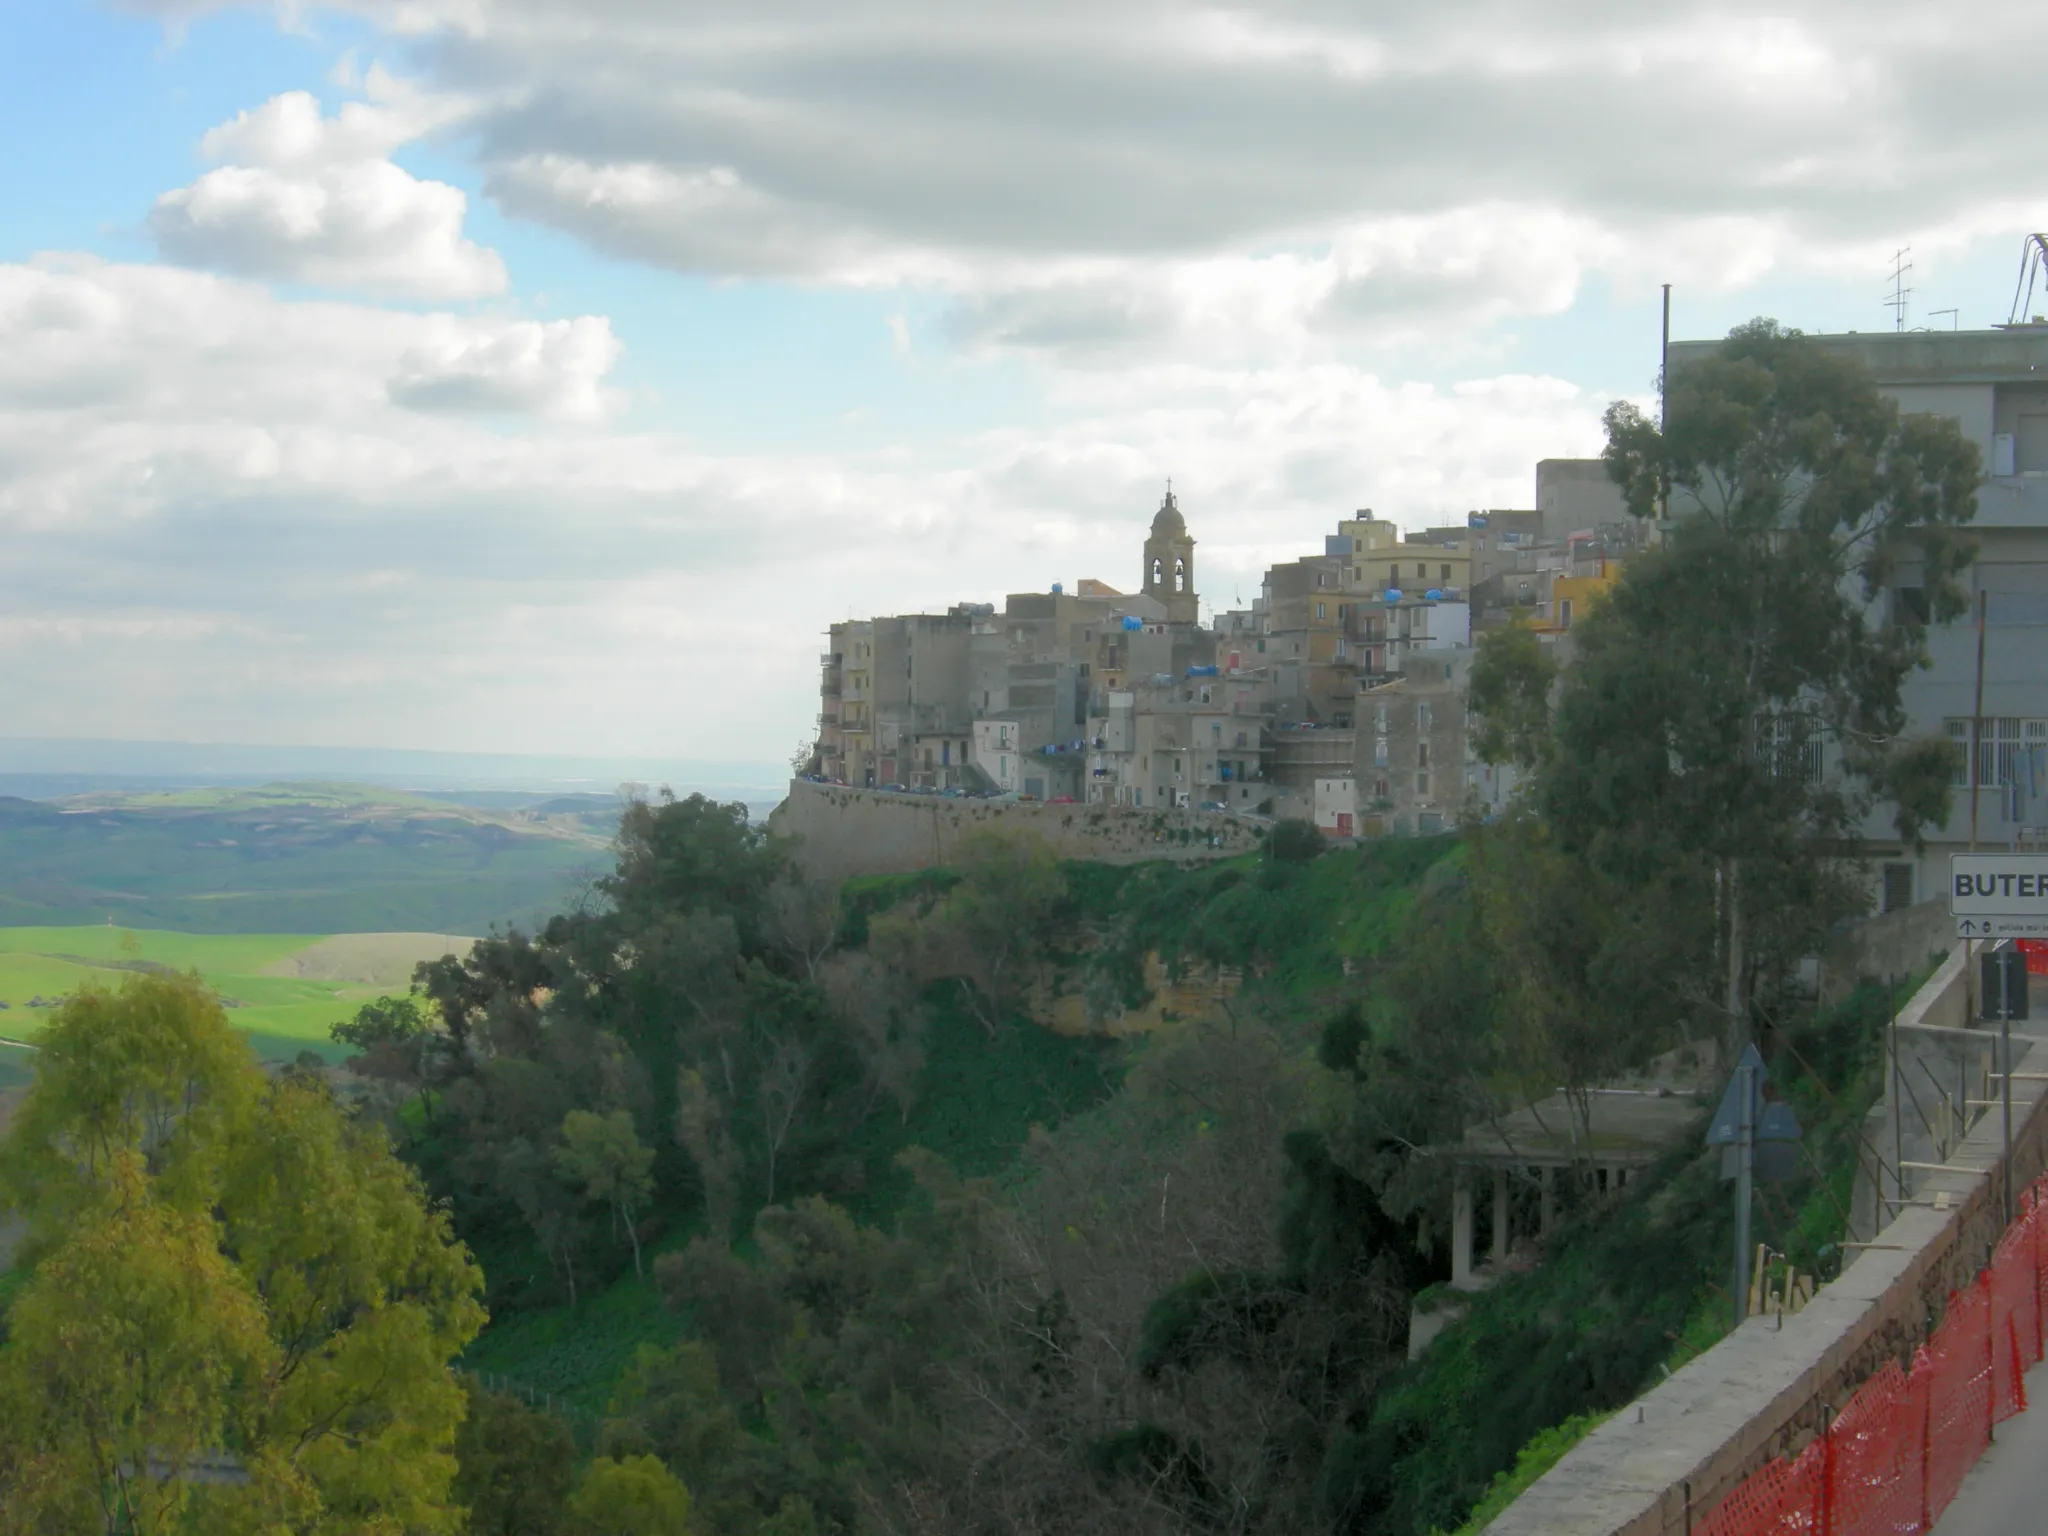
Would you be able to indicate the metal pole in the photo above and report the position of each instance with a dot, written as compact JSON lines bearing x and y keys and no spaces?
{"x":1745,"y":1149}
{"x":1975,"y":776}
{"x":1891,"y":987}
{"x":1663,"y":391}
{"x":2005,"y":1064}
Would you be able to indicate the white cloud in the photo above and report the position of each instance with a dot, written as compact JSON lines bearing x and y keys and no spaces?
{"x":315,"y":199}
{"x":1097,"y":184}
{"x":552,"y":368}
{"x":229,"y":515}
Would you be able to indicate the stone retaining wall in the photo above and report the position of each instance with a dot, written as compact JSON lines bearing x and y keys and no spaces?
{"x":1759,"y":1393}
{"x":846,"y":832}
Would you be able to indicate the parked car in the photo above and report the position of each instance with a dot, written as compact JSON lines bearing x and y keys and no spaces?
{"x":1061,"y":800}
{"x":894,"y":789}
{"x":1214,"y":805}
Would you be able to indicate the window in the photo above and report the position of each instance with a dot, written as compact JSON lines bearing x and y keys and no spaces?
{"x":1421,"y":571}
{"x":1446,"y":573}
{"x":1959,"y":774}
{"x":1319,"y":612}
{"x":1379,"y":752}
{"x":1791,"y":747}
{"x":1422,"y":754}
{"x":1898,"y":887}
{"x":2030,"y":446}
{"x":1999,"y":750}
{"x":1422,"y":715}
{"x":1379,"y":718}
{"x":1564,"y":613}
{"x":1422,"y":783}
{"x":1393,"y":575}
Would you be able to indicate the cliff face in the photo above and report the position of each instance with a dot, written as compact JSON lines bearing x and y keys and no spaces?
{"x":845,"y":832}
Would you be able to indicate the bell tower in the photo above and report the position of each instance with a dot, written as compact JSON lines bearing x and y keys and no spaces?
{"x":1170,"y":563}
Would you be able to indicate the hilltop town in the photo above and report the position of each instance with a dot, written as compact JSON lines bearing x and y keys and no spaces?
{"x":1338,"y":695}
{"x":1335,"y":697}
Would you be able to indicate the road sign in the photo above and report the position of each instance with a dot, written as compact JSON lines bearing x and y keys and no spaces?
{"x":2002,"y":927}
{"x":1999,"y":885}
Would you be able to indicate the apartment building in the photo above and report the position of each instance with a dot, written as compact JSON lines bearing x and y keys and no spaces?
{"x":1994,"y":383}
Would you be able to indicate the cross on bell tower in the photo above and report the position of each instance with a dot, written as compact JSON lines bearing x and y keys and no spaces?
{"x":1170,"y":563}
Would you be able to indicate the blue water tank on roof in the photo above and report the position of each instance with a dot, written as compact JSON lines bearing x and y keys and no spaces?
{"x":1133,"y":623}
{"x":1393,"y":594}
{"x":1434,"y":594}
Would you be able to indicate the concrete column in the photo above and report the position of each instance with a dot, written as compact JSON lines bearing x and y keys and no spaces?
{"x":1500,"y":1216}
{"x":1549,"y":1216}
{"x":1461,"y":1228}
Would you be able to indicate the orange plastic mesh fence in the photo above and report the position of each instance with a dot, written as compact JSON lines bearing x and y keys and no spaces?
{"x":1890,"y":1464}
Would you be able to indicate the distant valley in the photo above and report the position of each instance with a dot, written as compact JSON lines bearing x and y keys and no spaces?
{"x":297,"y":859}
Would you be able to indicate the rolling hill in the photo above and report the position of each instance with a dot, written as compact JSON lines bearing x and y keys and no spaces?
{"x":292,"y":859}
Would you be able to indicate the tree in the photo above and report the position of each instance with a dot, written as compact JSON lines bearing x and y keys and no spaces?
{"x":1509,"y":696}
{"x":1735,"y":705}
{"x":603,"y":1156}
{"x":990,"y":931}
{"x":514,"y":1467}
{"x":164,"y":1178}
{"x":1294,"y":842}
{"x":633,"y":1496}
{"x":391,"y":1037}
{"x":126,"y":1347}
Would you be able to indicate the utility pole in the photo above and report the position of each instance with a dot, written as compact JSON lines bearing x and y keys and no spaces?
{"x":1745,"y":1171}
{"x":1663,"y":395}
{"x":2005,"y":988}
{"x":1975,"y":773}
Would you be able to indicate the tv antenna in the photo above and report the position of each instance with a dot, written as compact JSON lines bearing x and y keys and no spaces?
{"x":2033,"y":268}
{"x":1951,"y":313}
{"x":1901,"y":290}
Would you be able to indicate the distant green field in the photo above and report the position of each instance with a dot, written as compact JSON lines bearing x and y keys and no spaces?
{"x":290,"y":858}
{"x":282,"y":1015}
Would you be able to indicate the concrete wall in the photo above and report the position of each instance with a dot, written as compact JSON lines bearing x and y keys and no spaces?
{"x":1896,"y":944}
{"x":1759,"y":1393}
{"x":846,"y":832}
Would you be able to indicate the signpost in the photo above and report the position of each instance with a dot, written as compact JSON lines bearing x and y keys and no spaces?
{"x":2005,"y":999}
{"x":1999,"y":895}
{"x":1758,"y":1137}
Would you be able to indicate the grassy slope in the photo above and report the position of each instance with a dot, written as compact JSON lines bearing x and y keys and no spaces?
{"x":288,"y":858}
{"x":281,"y":1015}
{"x":979,"y":1099}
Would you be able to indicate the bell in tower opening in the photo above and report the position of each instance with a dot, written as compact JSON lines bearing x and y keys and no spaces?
{"x":1170,"y":563}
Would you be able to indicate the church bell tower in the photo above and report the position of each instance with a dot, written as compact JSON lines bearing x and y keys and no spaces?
{"x":1170,"y":563}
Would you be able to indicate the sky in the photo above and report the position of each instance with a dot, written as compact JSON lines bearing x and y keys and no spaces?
{"x":544,"y":376}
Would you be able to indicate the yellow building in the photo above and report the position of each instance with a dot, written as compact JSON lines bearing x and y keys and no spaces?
{"x":1572,"y":597}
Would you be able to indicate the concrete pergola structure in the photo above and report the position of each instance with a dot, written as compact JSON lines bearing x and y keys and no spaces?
{"x":1628,"y":1129}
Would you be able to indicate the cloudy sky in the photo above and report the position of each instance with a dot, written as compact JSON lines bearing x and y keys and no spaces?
{"x":545,"y":375}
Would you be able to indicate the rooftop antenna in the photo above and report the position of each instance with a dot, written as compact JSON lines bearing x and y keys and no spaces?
{"x":1901,"y":292}
{"x":1951,"y":313}
{"x":2033,"y":265}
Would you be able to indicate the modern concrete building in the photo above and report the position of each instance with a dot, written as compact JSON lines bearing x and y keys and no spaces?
{"x":1578,"y":496}
{"x":1995,"y":384}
